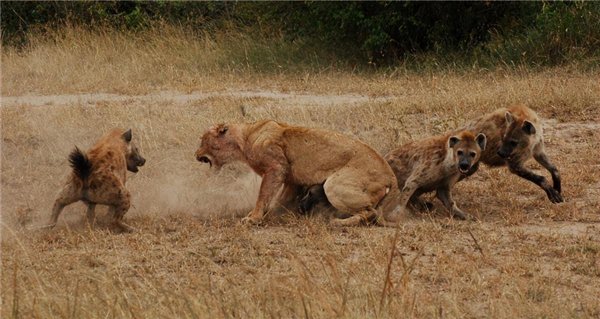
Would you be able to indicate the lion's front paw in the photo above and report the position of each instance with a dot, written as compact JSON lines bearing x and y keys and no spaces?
{"x":248,"y":220}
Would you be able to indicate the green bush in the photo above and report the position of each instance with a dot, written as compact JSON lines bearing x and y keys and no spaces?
{"x":560,"y":33}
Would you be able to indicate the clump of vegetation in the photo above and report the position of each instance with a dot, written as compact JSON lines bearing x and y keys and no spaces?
{"x":358,"y":33}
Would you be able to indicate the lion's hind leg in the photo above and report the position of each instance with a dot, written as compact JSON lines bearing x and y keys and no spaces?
{"x":365,"y":217}
{"x":350,"y":191}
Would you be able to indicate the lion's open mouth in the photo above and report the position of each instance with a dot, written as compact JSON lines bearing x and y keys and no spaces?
{"x":205,"y":159}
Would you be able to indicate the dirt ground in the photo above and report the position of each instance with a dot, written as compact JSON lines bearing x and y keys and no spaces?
{"x":524,"y":257}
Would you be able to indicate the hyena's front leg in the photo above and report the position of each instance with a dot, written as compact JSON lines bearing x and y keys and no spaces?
{"x":445,"y":196}
{"x":541,"y":157}
{"x":119,"y":209}
{"x":69,"y":194}
{"x":420,"y":204}
{"x":116,"y":196}
{"x":520,"y":170}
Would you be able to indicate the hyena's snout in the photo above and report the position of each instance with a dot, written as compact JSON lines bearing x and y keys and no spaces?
{"x":464,"y":165}
{"x":503,"y":152}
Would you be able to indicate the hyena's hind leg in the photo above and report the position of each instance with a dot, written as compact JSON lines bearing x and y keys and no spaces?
{"x":91,"y":213}
{"x":69,"y":194}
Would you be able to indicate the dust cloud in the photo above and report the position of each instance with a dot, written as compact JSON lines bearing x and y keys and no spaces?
{"x":197,"y":190}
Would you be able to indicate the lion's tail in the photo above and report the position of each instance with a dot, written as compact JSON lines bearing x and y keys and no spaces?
{"x":82,"y":167}
{"x":389,"y":208}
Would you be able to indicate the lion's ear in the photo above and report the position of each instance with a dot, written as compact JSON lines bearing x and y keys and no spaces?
{"x":127,"y":136}
{"x":222,"y":129}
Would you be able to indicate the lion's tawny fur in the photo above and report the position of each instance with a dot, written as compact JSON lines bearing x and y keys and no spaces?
{"x":355,"y":178}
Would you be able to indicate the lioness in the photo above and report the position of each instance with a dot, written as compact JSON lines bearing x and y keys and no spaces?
{"x":98,"y":177}
{"x":355,"y":178}
{"x":436,"y":164}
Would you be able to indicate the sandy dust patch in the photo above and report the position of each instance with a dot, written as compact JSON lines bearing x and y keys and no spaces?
{"x":568,"y":130}
{"x":591,"y":231}
{"x":180,"y":98}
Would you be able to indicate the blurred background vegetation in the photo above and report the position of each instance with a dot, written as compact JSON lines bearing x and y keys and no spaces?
{"x":353,"y":34}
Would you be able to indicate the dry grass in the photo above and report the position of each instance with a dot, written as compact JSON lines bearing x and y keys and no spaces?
{"x":525,"y":258}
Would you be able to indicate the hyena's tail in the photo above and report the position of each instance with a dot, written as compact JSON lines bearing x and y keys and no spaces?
{"x":82,"y":167}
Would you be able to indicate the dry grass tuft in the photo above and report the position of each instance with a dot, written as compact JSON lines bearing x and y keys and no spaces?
{"x":191,"y":258}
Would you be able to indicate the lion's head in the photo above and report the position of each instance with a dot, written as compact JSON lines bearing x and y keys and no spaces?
{"x":219,"y":146}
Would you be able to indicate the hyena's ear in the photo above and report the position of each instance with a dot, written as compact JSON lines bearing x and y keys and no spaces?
{"x":509,"y":117}
{"x":481,"y":141}
{"x":452,"y":141}
{"x":222,"y":129}
{"x":528,"y":127}
{"x":127,"y":136}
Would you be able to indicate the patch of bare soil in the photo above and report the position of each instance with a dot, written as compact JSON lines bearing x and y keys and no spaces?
{"x":180,"y":98}
{"x":576,"y":229}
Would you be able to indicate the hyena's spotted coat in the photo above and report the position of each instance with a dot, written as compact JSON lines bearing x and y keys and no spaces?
{"x":99,"y":176}
{"x":435,"y":164}
{"x":514,"y":136}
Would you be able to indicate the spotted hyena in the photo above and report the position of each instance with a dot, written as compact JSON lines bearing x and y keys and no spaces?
{"x":98,"y":177}
{"x":435,"y":164}
{"x":514,"y":136}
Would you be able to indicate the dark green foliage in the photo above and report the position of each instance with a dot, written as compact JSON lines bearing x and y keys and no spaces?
{"x":559,"y":33}
{"x":388,"y":30}
{"x":376,"y":33}
{"x":18,"y":18}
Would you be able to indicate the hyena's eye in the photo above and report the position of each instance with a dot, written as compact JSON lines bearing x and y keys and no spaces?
{"x":513,"y":143}
{"x":460,"y":153}
{"x":472,"y":154}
